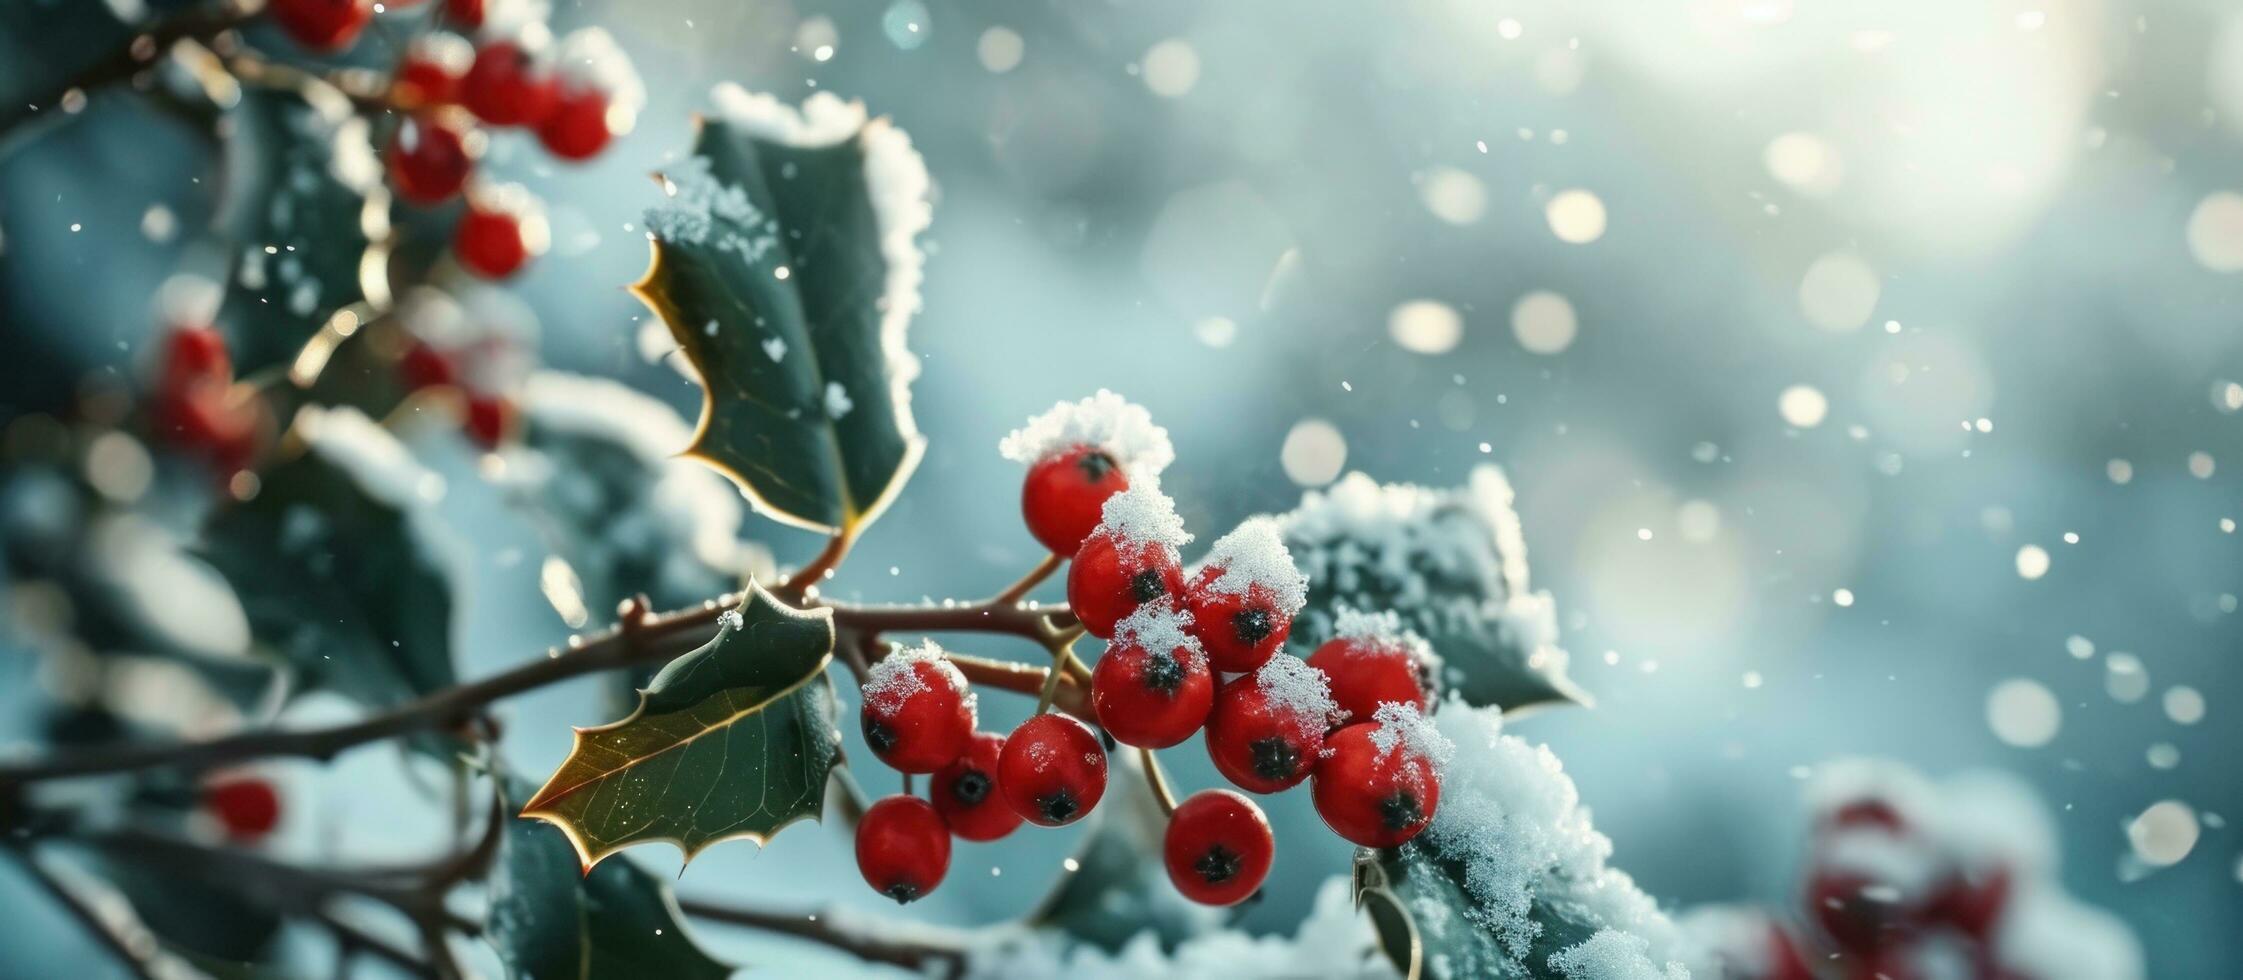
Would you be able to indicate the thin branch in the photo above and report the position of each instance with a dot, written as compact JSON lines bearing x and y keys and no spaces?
{"x":1018,"y":590}
{"x":138,"y":954}
{"x":1157,"y":778}
{"x":924,"y":947}
{"x":640,"y":639}
{"x":808,"y":576}
{"x":137,"y":54}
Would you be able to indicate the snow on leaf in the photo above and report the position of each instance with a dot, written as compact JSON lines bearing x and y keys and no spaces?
{"x":786,"y":268}
{"x":1450,"y":564}
{"x":1510,"y":879}
{"x":339,"y":564}
{"x":305,"y":211}
{"x":733,"y":740}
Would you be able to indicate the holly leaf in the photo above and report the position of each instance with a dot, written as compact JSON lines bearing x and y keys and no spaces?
{"x":1451,"y":564}
{"x":733,"y":740}
{"x":784,"y":267}
{"x":304,"y":209}
{"x":1417,"y":905}
{"x":336,"y":562}
{"x":550,"y":919}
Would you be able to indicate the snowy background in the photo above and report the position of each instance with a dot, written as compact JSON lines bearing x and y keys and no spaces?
{"x":1869,"y":374}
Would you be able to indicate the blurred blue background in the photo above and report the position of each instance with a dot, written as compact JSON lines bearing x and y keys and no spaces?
{"x":1850,"y":361}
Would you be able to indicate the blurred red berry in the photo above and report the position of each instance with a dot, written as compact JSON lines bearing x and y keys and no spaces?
{"x":322,"y":25}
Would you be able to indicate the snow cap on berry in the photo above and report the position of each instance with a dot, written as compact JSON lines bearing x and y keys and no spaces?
{"x":590,"y":60}
{"x":516,"y":20}
{"x":1159,"y":627}
{"x":1107,"y":421}
{"x":189,"y":300}
{"x":1289,"y":684}
{"x":1254,"y":554}
{"x":444,"y":49}
{"x":1400,"y":725}
{"x":894,"y":680}
{"x":1383,"y":631}
{"x":1143,"y":515}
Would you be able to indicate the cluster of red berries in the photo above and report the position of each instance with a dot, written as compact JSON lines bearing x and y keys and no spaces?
{"x":1185,"y":651}
{"x":487,"y":418}
{"x":1880,"y":889}
{"x":576,"y":95}
{"x":196,"y":407}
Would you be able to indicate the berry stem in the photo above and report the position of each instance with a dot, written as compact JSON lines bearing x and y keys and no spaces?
{"x":1157,"y":778}
{"x":808,"y":576}
{"x":1018,"y":590}
{"x":128,"y":941}
{"x":644,"y":640}
{"x":1054,"y":675}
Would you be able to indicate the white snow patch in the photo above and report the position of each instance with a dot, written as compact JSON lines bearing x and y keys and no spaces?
{"x":1614,"y":955}
{"x":1335,"y":941}
{"x":1290,"y":685}
{"x":1400,"y":725}
{"x":1108,"y":421}
{"x":1159,"y":627}
{"x":896,"y":677}
{"x":837,"y":400}
{"x":590,"y":59}
{"x":375,"y":460}
{"x":1255,"y":555}
{"x":1141,"y":514}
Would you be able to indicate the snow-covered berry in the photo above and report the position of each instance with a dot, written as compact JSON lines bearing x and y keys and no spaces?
{"x":1129,"y":560}
{"x":1371,"y":660}
{"x":501,"y":230}
{"x":1245,"y":596}
{"x":918,"y":712}
{"x":246,"y":807}
{"x":1078,"y":454}
{"x":429,"y":157}
{"x":1379,"y":782}
{"x":599,"y":96}
{"x":1151,"y":687}
{"x":432,"y":70}
{"x":1267,"y":729}
{"x":510,"y":84}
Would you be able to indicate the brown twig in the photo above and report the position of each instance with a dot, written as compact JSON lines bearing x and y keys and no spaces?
{"x":930,"y":948}
{"x":808,"y":576}
{"x":139,"y":53}
{"x":1018,"y":590}
{"x":640,"y":639}
{"x":1157,"y":778}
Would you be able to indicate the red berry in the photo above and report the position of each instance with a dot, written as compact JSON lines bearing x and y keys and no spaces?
{"x":1972,"y":901}
{"x":432,"y":70}
{"x":428,"y":159}
{"x":1374,"y":795}
{"x":507,"y":86}
{"x":499,"y":232}
{"x":246,"y":807}
{"x":1267,"y":729}
{"x":464,"y":13}
{"x":918,"y":713}
{"x":1371,"y":669}
{"x":193,"y":354}
{"x":1052,"y":770}
{"x":1152,"y":687}
{"x":1238,"y":630}
{"x":903,"y":847}
{"x":1856,"y":912}
{"x":424,"y":366}
{"x":490,"y":419}
{"x":323,"y":25}
{"x":1065,"y":495}
{"x":1111,"y":576}
{"x":965,"y":792}
{"x":577,"y":129}
{"x":1218,"y":847}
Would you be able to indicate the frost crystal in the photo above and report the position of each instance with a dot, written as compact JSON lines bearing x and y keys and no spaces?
{"x":1159,"y":627}
{"x":1401,"y":725}
{"x":1105,"y":420}
{"x":1255,"y":555}
{"x":837,"y":400}
{"x":1143,"y":515}
{"x":1292,"y":686}
{"x":1384,"y":631}
{"x":1511,"y":821}
{"x":1613,"y":955}
{"x":698,"y":200}
{"x":1334,"y":942}
{"x":895,"y":678}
